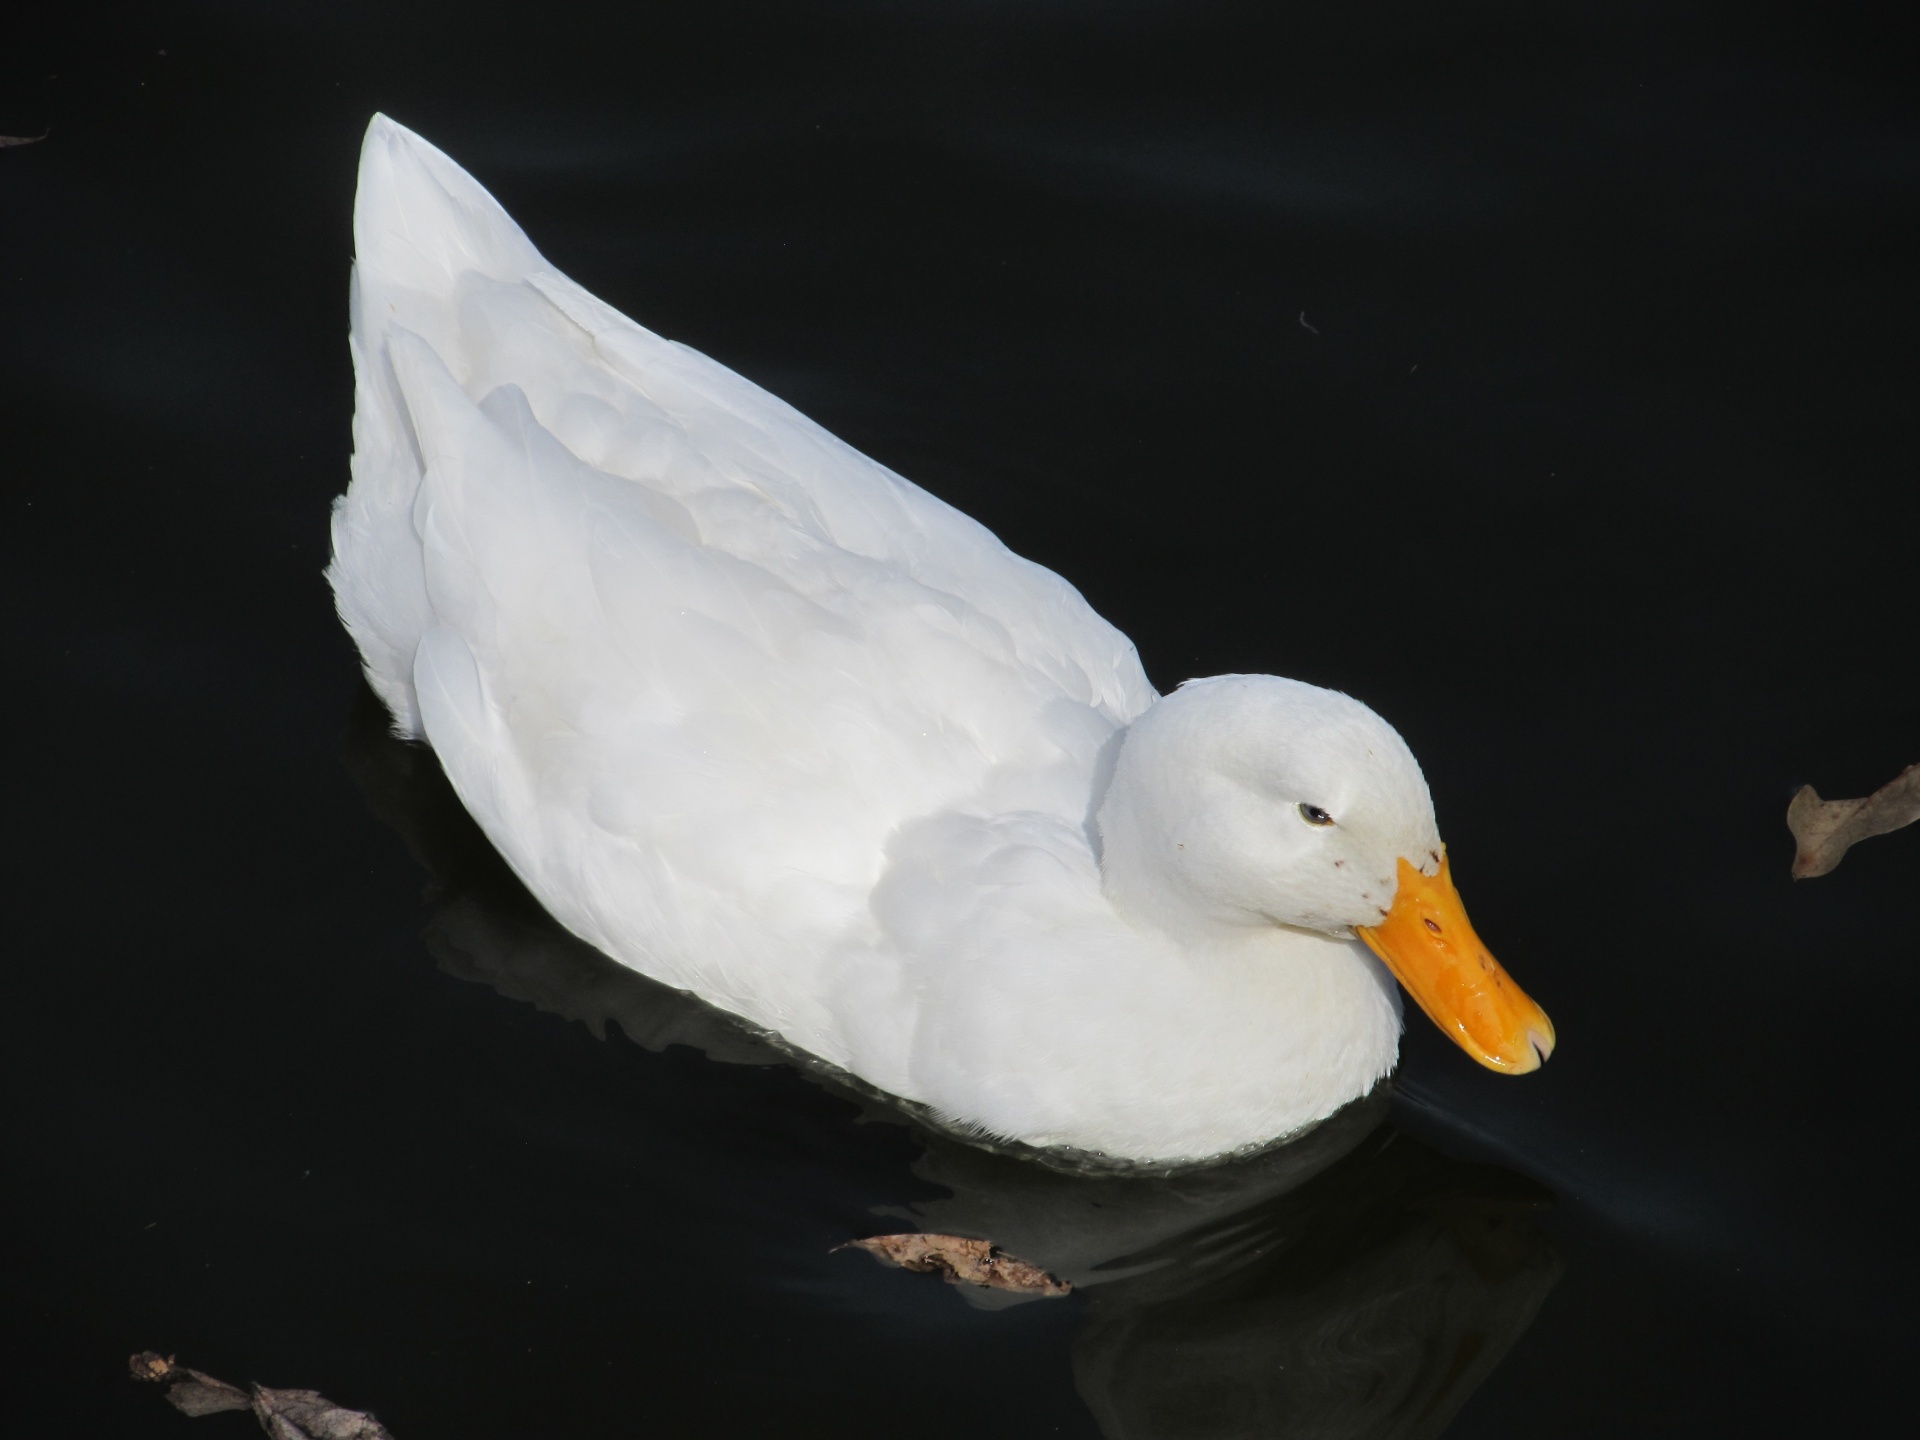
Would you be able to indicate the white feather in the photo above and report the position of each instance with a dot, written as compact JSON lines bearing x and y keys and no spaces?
{"x":764,"y":720}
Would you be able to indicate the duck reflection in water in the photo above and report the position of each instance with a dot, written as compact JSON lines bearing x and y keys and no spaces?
{"x":1353,"y":1283}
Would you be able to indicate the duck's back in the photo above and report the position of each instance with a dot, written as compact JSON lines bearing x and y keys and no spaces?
{"x":692,"y":663}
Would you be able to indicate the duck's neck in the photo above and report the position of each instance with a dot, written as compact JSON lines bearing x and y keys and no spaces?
{"x":1151,"y":897}
{"x":1144,"y":882}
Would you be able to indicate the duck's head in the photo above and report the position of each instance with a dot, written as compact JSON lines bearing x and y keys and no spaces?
{"x":1248,"y":800}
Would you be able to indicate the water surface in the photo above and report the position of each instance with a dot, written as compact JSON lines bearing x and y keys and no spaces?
{"x":1544,"y":380}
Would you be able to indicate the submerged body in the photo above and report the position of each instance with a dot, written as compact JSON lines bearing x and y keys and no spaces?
{"x":763,"y":720}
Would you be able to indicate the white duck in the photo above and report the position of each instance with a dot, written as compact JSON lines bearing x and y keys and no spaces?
{"x":761,"y":719}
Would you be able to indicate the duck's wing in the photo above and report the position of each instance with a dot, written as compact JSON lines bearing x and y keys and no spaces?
{"x":688,"y":659}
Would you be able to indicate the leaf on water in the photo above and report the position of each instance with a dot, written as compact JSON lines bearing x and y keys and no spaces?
{"x":189,"y":1391}
{"x":304,"y":1415}
{"x":149,"y":1366}
{"x":961,"y":1261}
{"x":1826,"y":828}
{"x":7,"y":140}
{"x":283,"y":1414}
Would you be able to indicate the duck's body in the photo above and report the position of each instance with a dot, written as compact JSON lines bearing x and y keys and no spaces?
{"x":765,"y":721}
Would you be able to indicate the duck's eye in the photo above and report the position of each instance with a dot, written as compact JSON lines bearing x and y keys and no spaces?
{"x":1314,"y":815}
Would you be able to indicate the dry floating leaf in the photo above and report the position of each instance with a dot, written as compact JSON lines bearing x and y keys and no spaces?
{"x":149,"y":1366}
{"x":283,"y":1414}
{"x":188,"y":1391}
{"x":1826,"y":828}
{"x":305,"y":1415}
{"x":961,"y":1261}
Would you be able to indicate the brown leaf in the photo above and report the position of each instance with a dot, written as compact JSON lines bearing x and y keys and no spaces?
{"x":305,"y":1415}
{"x":149,"y":1366}
{"x":283,"y":1414}
{"x":7,"y":140}
{"x":203,"y":1395}
{"x":962,"y":1262}
{"x":1826,"y":828}
{"x":188,"y":1391}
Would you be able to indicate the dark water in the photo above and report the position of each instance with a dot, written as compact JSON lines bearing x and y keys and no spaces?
{"x":1595,"y":476}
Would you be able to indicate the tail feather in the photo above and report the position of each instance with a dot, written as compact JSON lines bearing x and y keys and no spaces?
{"x":420,"y":221}
{"x":420,"y":224}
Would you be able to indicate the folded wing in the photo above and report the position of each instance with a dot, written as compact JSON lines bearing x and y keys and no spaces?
{"x":692,"y":662}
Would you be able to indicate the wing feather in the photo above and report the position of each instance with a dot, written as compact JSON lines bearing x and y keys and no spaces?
{"x":691,"y":661}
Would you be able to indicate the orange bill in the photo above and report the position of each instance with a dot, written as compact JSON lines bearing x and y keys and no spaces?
{"x":1429,"y":945}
